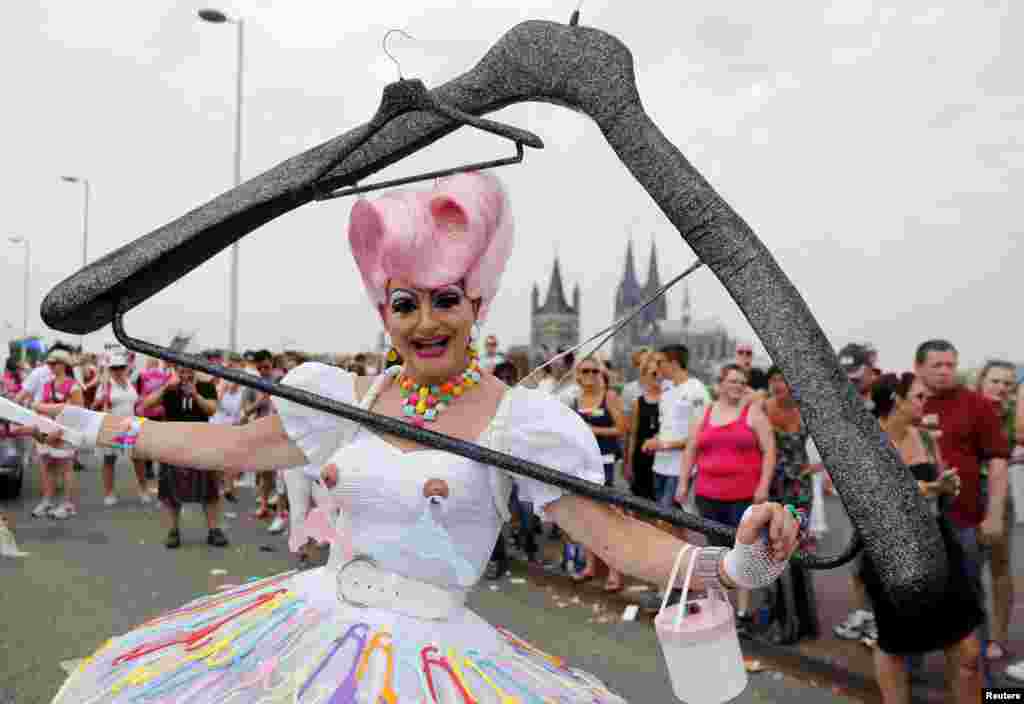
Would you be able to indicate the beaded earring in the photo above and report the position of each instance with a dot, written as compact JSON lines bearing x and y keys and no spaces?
{"x":392,"y":355}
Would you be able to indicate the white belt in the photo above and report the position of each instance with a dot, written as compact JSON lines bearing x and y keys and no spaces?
{"x":362,"y":583}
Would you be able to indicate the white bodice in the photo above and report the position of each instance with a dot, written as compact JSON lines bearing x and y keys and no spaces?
{"x":380,"y":486}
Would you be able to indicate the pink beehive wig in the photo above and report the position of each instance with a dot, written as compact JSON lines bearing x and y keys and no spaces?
{"x":461,"y":231}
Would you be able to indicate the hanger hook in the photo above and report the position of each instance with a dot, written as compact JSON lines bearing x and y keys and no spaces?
{"x":384,"y":44}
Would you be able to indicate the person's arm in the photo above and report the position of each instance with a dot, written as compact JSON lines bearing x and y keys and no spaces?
{"x":1019,"y":425}
{"x":614,"y":403}
{"x":686,"y":464}
{"x":208,"y":405}
{"x":766,"y":439}
{"x":155,"y":398}
{"x":678,"y":425}
{"x":994,"y":445}
{"x":260,"y":446}
{"x":631,"y":437}
{"x":647,"y":553}
{"x":75,"y":398}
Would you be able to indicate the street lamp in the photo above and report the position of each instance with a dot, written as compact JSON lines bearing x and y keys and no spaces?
{"x":85,"y":215}
{"x":28,"y":261}
{"x":218,"y":17}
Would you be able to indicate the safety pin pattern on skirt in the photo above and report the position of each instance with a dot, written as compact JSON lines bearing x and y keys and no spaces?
{"x":357,"y":632}
{"x":432,"y":656}
{"x":387,"y":692}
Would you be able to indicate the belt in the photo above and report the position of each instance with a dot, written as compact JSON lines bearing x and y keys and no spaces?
{"x":361,"y":583}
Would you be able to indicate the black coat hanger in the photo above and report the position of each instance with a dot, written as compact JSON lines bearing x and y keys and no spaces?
{"x":410,"y":95}
{"x":590,"y":71}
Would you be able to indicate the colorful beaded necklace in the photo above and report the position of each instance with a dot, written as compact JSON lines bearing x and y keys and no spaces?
{"x":424,"y":403}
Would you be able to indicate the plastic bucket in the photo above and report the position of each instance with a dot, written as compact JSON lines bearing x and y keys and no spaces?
{"x":701,"y":649}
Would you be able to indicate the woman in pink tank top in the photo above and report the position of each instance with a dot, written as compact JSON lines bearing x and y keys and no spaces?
{"x":734,"y":450}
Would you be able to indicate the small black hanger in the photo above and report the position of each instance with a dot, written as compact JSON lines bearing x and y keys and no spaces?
{"x":411,"y":95}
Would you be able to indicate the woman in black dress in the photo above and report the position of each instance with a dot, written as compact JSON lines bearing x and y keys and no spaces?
{"x":898,"y":401}
{"x":186,"y":400}
{"x":639,"y":466}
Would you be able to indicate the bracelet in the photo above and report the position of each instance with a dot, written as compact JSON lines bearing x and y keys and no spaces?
{"x":128,"y":434}
{"x":707,"y":567}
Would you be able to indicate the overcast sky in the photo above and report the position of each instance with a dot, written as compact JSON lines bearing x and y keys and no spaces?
{"x":874,"y":147}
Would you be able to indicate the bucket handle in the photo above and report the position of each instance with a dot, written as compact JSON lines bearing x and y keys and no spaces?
{"x":686,"y":584}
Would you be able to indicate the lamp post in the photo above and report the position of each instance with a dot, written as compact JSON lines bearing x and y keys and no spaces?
{"x":85,"y":215}
{"x":218,"y":17}
{"x":28,"y":261}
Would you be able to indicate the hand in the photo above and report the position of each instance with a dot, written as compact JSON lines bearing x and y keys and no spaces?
{"x":173,"y":382}
{"x":783,"y":530}
{"x":826,"y":485}
{"x":681,"y":491}
{"x":54,"y":439}
{"x":329,"y":475}
{"x":650,"y":446}
{"x":761,"y":495}
{"x":949,"y":482}
{"x":990,"y":532}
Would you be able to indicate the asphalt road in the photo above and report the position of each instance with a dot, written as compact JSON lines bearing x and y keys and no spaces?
{"x":107,"y":570}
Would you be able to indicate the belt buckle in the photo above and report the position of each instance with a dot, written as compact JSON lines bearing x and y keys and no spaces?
{"x":341,"y":571}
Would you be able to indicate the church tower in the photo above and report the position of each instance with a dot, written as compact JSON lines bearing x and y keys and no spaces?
{"x":555,"y":324}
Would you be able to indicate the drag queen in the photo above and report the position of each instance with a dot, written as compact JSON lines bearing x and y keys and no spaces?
{"x":386,"y":619}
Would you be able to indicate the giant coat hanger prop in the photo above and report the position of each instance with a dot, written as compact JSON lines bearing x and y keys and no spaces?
{"x":589,"y":71}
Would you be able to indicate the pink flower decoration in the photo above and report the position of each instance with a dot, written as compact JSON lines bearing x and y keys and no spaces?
{"x":462,"y":230}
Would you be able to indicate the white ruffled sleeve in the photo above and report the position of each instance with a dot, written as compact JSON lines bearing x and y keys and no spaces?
{"x":317,"y":434}
{"x":537,"y":427}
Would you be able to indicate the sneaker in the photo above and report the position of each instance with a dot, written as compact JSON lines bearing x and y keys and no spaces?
{"x":173,"y":540}
{"x":45,"y":508}
{"x":217,"y":538}
{"x":1015,"y":671}
{"x":110,"y":500}
{"x":277,"y":526}
{"x":493,"y":570}
{"x":853,"y":628}
{"x":64,"y":511}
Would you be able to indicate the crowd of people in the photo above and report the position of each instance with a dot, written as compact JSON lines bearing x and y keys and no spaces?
{"x":714,"y":449}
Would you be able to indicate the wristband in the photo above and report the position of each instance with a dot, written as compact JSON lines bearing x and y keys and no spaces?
{"x":707,"y":562}
{"x":86,"y":422}
{"x":751,"y":566}
{"x":128,"y":434}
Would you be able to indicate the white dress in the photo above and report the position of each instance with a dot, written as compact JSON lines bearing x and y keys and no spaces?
{"x":300,"y":643}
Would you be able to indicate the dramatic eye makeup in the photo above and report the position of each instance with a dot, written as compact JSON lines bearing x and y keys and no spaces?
{"x":446,"y":298}
{"x":403,"y":302}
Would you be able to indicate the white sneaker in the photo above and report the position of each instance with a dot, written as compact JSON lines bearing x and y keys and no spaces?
{"x":65,"y":510}
{"x":1015,"y":671}
{"x":110,"y":500}
{"x":146,"y":498}
{"x":44,"y":508}
{"x":277,"y":526}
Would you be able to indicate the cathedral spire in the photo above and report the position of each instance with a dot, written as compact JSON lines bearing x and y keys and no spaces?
{"x":555,"y":301}
{"x":629,"y":294}
{"x":659,"y":309}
